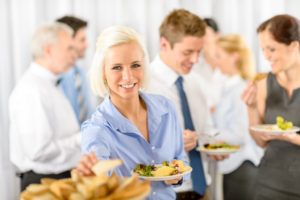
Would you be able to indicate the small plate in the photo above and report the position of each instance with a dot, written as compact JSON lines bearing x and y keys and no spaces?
{"x":219,"y":151}
{"x":165,"y":178}
{"x":273,"y":129}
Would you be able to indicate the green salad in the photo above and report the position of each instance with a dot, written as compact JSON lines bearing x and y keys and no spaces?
{"x":283,"y":124}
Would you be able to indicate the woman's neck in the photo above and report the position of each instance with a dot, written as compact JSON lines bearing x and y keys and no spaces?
{"x":289,"y":79}
{"x":291,"y":75}
{"x":130,"y":108}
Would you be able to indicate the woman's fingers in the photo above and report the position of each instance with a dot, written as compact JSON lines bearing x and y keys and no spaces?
{"x":219,"y":157}
{"x":82,"y":169}
{"x":86,"y":163}
{"x":91,"y":159}
{"x":94,"y":158}
{"x":173,"y":181}
{"x":249,"y":94}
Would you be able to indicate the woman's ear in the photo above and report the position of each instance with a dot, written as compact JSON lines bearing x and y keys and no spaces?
{"x":235,"y":56}
{"x":104,"y":81}
{"x":105,"y":84}
{"x":104,"y":78}
{"x":294,"y":46}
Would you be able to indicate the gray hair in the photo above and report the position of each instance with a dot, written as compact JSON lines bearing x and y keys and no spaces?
{"x":47,"y":34}
{"x":110,"y":37}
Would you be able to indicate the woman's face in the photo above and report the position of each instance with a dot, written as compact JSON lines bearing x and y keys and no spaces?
{"x":280,"y":56}
{"x":124,"y":70}
{"x":226,"y":61}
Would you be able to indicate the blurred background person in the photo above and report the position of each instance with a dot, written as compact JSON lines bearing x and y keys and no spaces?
{"x":44,"y":133}
{"x":74,"y":82}
{"x":235,"y":61}
{"x":277,"y":95}
{"x":181,"y":40}
{"x":129,"y":124}
{"x":211,"y":79}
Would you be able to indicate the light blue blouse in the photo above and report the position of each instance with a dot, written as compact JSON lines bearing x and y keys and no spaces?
{"x":112,"y":136}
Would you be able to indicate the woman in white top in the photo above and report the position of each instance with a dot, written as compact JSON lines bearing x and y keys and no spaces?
{"x":235,"y":61}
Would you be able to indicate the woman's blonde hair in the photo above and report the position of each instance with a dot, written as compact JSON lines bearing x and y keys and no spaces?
{"x":235,"y":44}
{"x":110,"y":37}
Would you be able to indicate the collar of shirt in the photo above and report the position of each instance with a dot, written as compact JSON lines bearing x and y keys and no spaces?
{"x":166,"y":73}
{"x":44,"y":73}
{"x":231,"y":81}
{"x":118,"y":122}
{"x":70,"y":73}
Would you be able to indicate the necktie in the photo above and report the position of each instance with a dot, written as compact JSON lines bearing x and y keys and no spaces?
{"x":198,"y":177}
{"x":57,"y":82}
{"x":80,"y":97}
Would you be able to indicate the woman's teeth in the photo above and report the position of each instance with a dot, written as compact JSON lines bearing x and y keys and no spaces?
{"x":127,"y":85}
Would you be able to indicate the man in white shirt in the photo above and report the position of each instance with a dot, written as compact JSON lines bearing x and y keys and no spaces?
{"x":44,"y":133}
{"x":181,"y":40}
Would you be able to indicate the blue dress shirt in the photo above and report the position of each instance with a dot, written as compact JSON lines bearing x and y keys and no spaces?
{"x":112,"y":136}
{"x":67,"y":84}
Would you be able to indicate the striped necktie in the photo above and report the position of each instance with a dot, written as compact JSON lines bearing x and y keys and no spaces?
{"x":83,"y":111}
{"x":198,"y":177}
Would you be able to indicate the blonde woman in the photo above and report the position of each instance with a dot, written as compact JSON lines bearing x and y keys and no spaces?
{"x":240,"y":171}
{"x":130,"y":125}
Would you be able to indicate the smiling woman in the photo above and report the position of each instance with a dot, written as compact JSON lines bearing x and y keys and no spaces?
{"x":113,"y":38}
{"x":278,"y":95}
{"x":129,"y":124}
{"x":124,"y":71}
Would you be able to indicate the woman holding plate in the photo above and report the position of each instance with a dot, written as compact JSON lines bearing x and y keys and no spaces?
{"x":130,"y":125}
{"x":235,"y":60}
{"x":278,"y":95}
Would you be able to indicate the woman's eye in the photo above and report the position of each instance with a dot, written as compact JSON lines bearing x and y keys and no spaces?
{"x":117,"y":67}
{"x":271,"y":49}
{"x":136,"y":65}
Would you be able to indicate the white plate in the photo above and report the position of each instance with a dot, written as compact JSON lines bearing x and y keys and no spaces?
{"x":273,"y":129}
{"x":165,"y":178}
{"x":219,"y":151}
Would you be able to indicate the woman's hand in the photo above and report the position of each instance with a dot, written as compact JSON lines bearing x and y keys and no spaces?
{"x":261,"y":138}
{"x":173,"y":181}
{"x":293,"y":138}
{"x":85,"y":164}
{"x":249,"y":95}
{"x":219,"y":157}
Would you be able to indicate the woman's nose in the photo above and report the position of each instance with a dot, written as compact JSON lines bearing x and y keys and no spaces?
{"x":127,"y":74}
{"x":267,"y":55}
